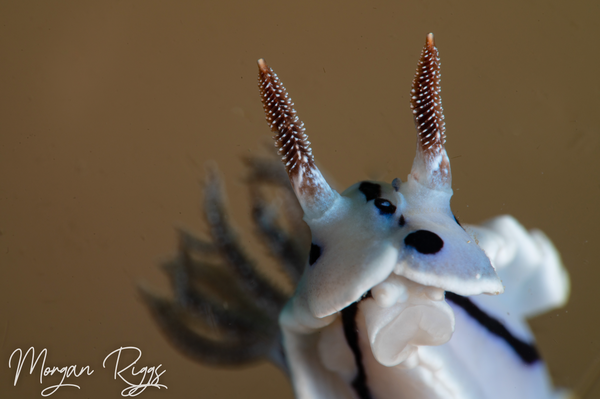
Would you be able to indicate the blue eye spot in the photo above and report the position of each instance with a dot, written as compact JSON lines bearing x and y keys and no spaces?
{"x":385,"y":207}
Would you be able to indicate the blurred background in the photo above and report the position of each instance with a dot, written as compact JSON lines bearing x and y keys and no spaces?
{"x":110,"y":110}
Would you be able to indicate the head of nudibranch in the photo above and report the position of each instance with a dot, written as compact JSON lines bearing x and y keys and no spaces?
{"x":374,"y":229}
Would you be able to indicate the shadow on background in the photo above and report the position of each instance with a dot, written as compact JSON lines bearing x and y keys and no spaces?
{"x":110,"y":111}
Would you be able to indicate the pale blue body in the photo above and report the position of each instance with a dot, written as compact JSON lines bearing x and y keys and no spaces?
{"x":369,"y":319}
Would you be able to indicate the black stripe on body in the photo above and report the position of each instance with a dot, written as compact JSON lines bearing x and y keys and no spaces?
{"x":351,"y":332}
{"x":527,"y":352}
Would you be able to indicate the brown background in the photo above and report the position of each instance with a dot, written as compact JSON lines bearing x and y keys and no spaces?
{"x":110,"y":111}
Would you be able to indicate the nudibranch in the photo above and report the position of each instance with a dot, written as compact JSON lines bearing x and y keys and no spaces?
{"x":369,"y":317}
{"x":388,"y":283}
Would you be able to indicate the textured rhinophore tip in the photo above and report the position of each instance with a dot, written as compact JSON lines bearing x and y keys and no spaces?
{"x":426,"y":101}
{"x":313,"y":192}
{"x":290,"y":136}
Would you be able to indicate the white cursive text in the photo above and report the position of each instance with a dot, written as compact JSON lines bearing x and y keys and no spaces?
{"x":150,"y":372}
{"x":66,"y":371}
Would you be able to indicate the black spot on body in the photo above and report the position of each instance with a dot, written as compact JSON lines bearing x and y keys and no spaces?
{"x":402,"y":221}
{"x":385,"y":207}
{"x":315,"y":252}
{"x":359,"y":383}
{"x":370,"y":190}
{"x":424,"y":241}
{"x":527,"y":352}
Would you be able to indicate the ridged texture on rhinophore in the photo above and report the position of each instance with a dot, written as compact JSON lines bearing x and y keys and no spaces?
{"x":290,"y":136}
{"x":313,"y":192}
{"x":426,"y":100}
